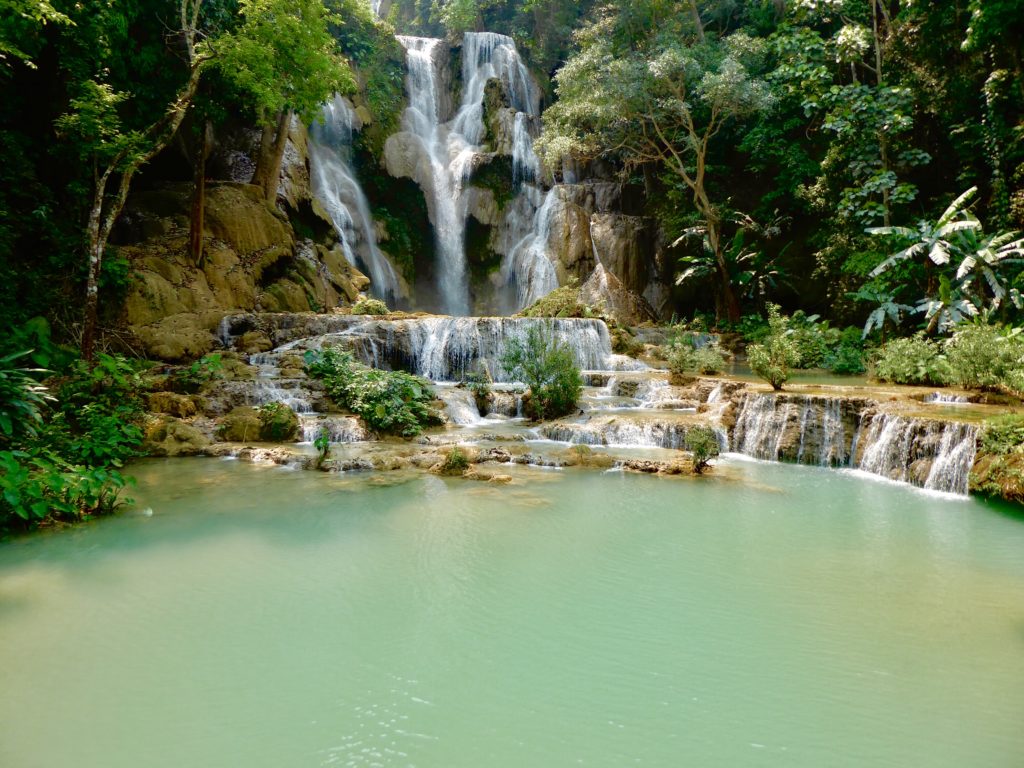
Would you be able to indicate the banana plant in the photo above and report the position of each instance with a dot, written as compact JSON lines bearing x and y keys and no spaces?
{"x":984,"y":257}
{"x":935,"y":240}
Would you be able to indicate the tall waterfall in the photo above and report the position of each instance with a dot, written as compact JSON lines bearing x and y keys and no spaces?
{"x":335,"y":185}
{"x":447,"y":151}
{"x":445,"y":155}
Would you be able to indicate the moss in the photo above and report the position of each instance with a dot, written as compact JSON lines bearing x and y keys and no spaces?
{"x":561,"y":302}
{"x":497,"y":177}
{"x":999,"y":476}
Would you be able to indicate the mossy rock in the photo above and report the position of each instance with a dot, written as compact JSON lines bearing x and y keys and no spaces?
{"x":241,"y":425}
{"x":278,"y":423}
{"x":167,"y":436}
{"x":181,"y":406}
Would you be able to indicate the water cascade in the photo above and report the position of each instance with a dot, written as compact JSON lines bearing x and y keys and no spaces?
{"x":527,"y":271}
{"x":335,"y":185}
{"x":936,"y":455}
{"x":447,"y":149}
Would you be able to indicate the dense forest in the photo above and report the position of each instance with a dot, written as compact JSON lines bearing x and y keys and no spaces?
{"x":856,"y":162}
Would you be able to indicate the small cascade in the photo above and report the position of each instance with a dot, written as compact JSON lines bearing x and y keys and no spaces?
{"x":806,"y":430}
{"x":335,"y":185}
{"x":619,"y":433}
{"x":941,"y":398}
{"x":931,"y":454}
{"x":451,"y":348}
{"x":340,"y":429}
{"x":269,"y":387}
{"x":460,"y":405}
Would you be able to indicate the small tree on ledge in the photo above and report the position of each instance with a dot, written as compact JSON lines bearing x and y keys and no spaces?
{"x":773,"y":359}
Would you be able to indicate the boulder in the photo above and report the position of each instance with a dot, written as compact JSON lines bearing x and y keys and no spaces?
{"x":168,"y":436}
{"x":241,"y":425}
{"x":603,"y":289}
{"x":172,"y":403}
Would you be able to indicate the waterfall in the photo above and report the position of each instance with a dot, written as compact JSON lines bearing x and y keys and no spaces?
{"x":808,"y":430}
{"x":442,"y":185}
{"x":932,"y":454}
{"x":451,"y":348}
{"x":335,"y":185}
{"x":527,"y":269}
{"x":460,"y":404}
{"x":340,"y":429}
{"x":450,"y":148}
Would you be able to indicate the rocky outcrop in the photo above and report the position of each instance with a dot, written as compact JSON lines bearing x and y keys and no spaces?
{"x":252,"y":261}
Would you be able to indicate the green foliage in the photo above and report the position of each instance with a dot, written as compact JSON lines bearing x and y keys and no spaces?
{"x":278,"y":422}
{"x":393,"y":402}
{"x":702,"y":443}
{"x":370,"y":307}
{"x":548,"y":368}
{"x":283,"y":57}
{"x":683,"y":356}
{"x":322,"y":443}
{"x":983,"y":356}
{"x":22,"y":398}
{"x":455,"y":462}
{"x":191,"y":378}
{"x":814,"y":340}
{"x":773,"y":359}
{"x":66,"y":464}
{"x":561,"y":302}
{"x":847,"y":357}
{"x":479,"y":383}
{"x":1003,"y":434}
{"x":912,"y":360}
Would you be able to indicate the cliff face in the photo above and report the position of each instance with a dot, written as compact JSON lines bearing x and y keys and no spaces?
{"x":254,"y":259}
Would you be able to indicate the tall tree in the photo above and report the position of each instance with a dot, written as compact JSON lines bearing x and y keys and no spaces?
{"x":284,"y":58}
{"x":663,"y":99}
{"x":116,"y":154}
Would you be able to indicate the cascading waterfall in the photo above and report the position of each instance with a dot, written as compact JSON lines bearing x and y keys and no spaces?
{"x":932,"y":454}
{"x":450,"y":148}
{"x":527,"y":270}
{"x":936,"y":455}
{"x":335,"y":185}
{"x":451,"y":348}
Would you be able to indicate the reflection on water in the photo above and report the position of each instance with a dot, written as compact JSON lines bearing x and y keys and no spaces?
{"x":765,"y":615}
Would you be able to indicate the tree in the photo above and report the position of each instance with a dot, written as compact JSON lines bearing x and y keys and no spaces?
{"x":547,"y":366}
{"x":21,"y":22}
{"x":115,"y":154}
{"x":662,"y":100}
{"x":773,"y":359}
{"x":283,"y":57}
{"x":702,"y":442}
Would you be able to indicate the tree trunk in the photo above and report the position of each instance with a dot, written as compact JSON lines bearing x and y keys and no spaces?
{"x":270,"y":154}
{"x":92,"y":280}
{"x":695,"y":13}
{"x":199,"y":194}
{"x":732,"y":305}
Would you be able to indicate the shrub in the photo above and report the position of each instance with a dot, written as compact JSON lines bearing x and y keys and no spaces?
{"x":455,"y":462}
{"x":773,"y":359}
{"x":370,"y":307}
{"x":389,"y":401}
{"x":192,"y":378}
{"x":65,"y":466}
{"x":683,"y":356}
{"x":548,"y":368}
{"x":1004,"y":434}
{"x":912,"y":360}
{"x":983,"y":356}
{"x":848,"y":356}
{"x":278,"y":422}
{"x":813,"y":340}
{"x":702,"y":442}
{"x":322,"y":443}
{"x":22,"y":398}
{"x":561,"y":302}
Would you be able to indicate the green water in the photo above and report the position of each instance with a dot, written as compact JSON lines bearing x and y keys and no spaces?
{"x":774,"y":616}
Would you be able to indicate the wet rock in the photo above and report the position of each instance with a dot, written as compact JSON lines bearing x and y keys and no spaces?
{"x":168,"y":436}
{"x":181,"y":406}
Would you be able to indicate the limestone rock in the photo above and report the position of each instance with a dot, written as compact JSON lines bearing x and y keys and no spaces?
{"x":238,"y":215}
{"x":603,"y":289}
{"x":168,"y":436}
{"x":172,"y":403}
